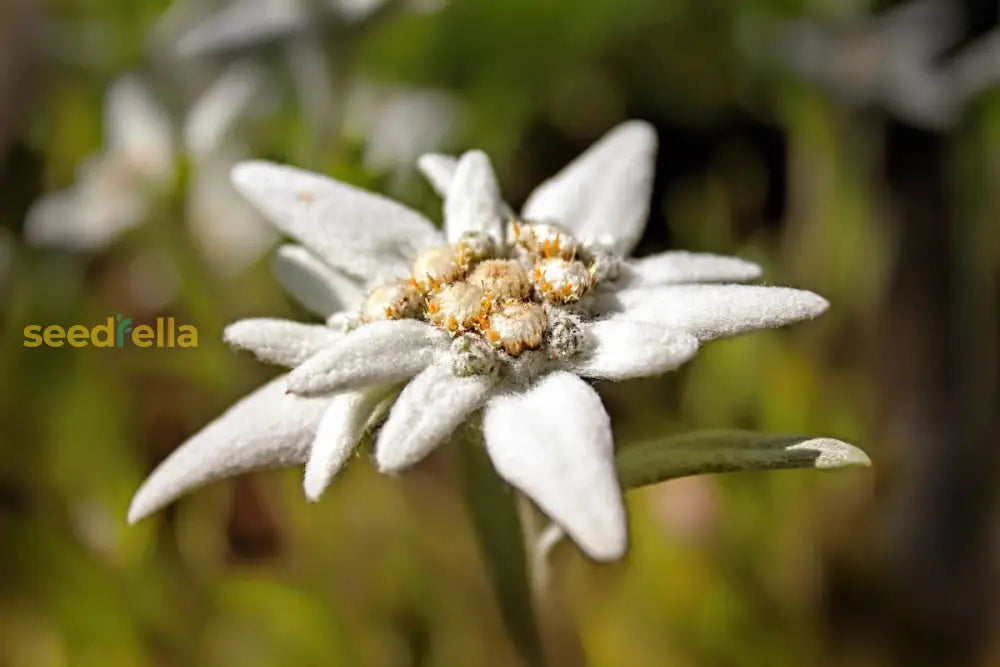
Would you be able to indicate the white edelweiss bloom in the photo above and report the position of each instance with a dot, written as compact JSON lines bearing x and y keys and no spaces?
{"x":115,"y":190}
{"x":242,"y":24}
{"x":513,"y":328}
{"x":398,"y":124}
{"x":247,"y":23}
{"x":908,"y":60}
{"x":300,"y":28}
{"x":228,"y":231}
{"x":112,"y":191}
{"x":300,"y":31}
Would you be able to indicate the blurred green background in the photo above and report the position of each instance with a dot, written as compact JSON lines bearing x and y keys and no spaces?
{"x":895,"y":224}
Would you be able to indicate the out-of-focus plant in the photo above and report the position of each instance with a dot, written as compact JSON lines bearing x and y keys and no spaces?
{"x":116,"y":190}
{"x":720,"y":570}
{"x":903,"y":60}
{"x":315,"y":38}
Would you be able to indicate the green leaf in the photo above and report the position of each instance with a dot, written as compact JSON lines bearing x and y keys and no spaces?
{"x":492,"y":507}
{"x":703,"y":452}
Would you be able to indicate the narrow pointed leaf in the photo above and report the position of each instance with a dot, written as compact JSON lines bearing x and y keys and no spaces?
{"x":705,"y":452}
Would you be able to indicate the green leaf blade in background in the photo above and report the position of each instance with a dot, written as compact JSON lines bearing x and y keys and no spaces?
{"x":704,"y":452}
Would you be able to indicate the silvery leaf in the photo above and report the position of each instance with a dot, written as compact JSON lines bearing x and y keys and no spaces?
{"x":704,"y":452}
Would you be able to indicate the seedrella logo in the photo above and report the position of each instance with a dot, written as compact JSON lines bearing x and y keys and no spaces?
{"x":115,"y":332}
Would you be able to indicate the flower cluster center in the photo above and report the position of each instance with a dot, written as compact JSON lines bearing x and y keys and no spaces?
{"x":523,"y":294}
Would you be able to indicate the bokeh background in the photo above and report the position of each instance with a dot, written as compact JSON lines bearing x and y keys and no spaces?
{"x":853,"y":156}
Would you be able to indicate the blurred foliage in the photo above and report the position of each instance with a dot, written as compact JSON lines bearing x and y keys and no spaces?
{"x":727,"y":570}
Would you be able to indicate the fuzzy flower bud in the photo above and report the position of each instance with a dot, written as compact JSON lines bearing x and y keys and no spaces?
{"x":560,"y":280}
{"x":475,"y":247}
{"x":603,"y":263}
{"x":543,"y":239}
{"x":435,"y":266}
{"x":472,"y":355}
{"x":501,"y":279}
{"x":457,"y":307}
{"x":516,"y":325}
{"x":392,"y":302}
{"x":564,"y":336}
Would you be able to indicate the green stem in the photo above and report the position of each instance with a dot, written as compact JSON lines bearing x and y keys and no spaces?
{"x":493,"y":510}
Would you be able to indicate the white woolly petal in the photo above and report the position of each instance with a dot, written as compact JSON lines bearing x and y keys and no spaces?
{"x":427,"y":411}
{"x":407,"y":124}
{"x":685,"y":267}
{"x":439,"y":170}
{"x":355,"y":10}
{"x":712,"y":311}
{"x":622,"y":349}
{"x":321,"y":289}
{"x":312,"y":76}
{"x":554,"y":443}
{"x":226,"y":228}
{"x":49,"y":217}
{"x":358,"y":231}
{"x":472,"y":203}
{"x":72,"y":219}
{"x":138,"y":129}
{"x":217,"y":109}
{"x":281,"y":342}
{"x":337,"y":436}
{"x":604,"y":194}
{"x":375,"y":353}
{"x":266,"y":429}
{"x":94,"y":212}
{"x":112,"y":191}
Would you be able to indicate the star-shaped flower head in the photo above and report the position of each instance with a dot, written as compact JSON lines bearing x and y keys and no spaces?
{"x":498,"y":321}
{"x":397,"y":124}
{"x":112,"y":192}
{"x":116,"y":189}
{"x":907,"y":60}
{"x":301,"y":30}
{"x":243,"y":24}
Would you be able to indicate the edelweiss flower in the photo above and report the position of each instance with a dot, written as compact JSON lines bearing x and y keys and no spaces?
{"x":499,"y":316}
{"x":397,"y":124}
{"x":247,"y":23}
{"x":115,"y":189}
{"x":908,"y":60}
{"x":302,"y":31}
{"x":112,"y":192}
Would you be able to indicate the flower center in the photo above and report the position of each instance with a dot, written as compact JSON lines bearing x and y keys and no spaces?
{"x":526,"y":294}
